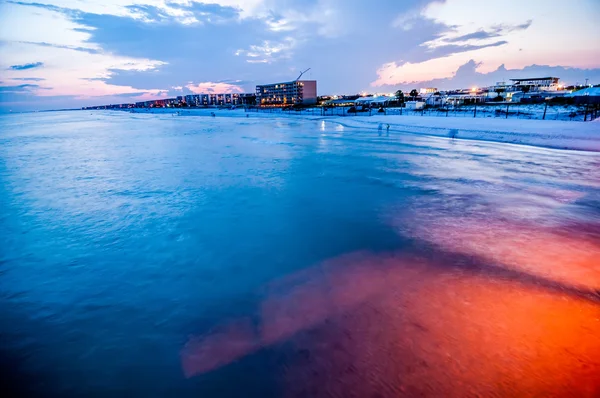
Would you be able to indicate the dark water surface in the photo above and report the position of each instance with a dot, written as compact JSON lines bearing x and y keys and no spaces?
{"x":155,"y":256}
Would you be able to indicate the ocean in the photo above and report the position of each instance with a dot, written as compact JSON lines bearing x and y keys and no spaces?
{"x":154,"y":255}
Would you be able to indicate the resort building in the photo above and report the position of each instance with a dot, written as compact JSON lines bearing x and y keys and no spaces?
{"x":199,"y":100}
{"x":536,"y":84}
{"x":288,"y":93}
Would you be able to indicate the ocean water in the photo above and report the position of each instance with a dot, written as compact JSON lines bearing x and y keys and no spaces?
{"x":155,"y":255}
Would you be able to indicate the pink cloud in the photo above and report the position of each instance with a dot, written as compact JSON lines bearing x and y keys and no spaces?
{"x":214,"y":88}
{"x":151,"y":95}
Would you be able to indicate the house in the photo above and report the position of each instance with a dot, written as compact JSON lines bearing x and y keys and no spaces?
{"x":414,"y":105}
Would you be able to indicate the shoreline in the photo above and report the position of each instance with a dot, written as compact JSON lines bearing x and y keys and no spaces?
{"x":552,"y":134}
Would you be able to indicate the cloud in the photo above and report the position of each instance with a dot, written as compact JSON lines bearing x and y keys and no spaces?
{"x":494,"y":31}
{"x":70,"y":72}
{"x":153,"y":14}
{"x":28,"y":79}
{"x":74,"y":48}
{"x":26,"y":66}
{"x":149,"y":96}
{"x":73,"y":65}
{"x":48,"y":25}
{"x":118,"y":49}
{"x":213,"y":88}
{"x":478,"y":35}
{"x":185,"y":12}
{"x":268,"y":51}
{"x":450,"y":49}
{"x":472,"y":31}
{"x":407,"y":20}
{"x":469,"y":74}
{"x":21,"y":88}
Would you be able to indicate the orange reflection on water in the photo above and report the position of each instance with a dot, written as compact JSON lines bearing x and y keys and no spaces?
{"x":568,"y":254}
{"x":394,"y":325}
{"x":451,"y":333}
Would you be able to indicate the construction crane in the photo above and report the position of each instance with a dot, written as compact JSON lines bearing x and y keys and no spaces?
{"x":301,"y":73}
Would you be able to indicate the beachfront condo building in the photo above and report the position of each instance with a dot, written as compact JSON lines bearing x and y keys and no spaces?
{"x":297,"y":92}
{"x":219,"y":99}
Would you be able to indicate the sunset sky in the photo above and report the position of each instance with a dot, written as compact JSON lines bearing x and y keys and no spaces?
{"x":71,"y":53}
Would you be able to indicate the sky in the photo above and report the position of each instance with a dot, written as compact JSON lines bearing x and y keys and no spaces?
{"x":72,"y":53}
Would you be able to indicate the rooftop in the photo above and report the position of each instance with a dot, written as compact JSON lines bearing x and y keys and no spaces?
{"x":290,"y":82}
{"x":534,"y":78}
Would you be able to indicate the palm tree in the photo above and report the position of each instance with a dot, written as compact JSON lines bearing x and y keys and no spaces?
{"x":414,"y":93}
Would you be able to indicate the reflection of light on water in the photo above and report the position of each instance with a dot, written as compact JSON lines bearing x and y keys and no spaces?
{"x":500,"y":308}
{"x":444,"y":333}
{"x":538,"y":250}
{"x":402,"y":326}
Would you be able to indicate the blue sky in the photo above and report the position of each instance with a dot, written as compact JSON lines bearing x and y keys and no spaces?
{"x":70,"y":53}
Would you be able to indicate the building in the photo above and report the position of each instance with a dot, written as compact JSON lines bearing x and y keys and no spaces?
{"x":191,"y":100}
{"x":536,"y":84}
{"x":226,"y":99}
{"x":374,"y":101}
{"x":339,"y":102}
{"x":435,"y":100}
{"x":465,"y":98}
{"x":297,"y":92}
{"x":501,"y":89}
{"x":414,"y":105}
{"x":428,"y":90}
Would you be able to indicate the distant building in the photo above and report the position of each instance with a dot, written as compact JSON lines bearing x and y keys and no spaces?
{"x":288,"y":93}
{"x":428,"y":90}
{"x":472,"y":97}
{"x":435,"y":100}
{"x":191,"y":100}
{"x":414,"y":105}
{"x":199,"y":100}
{"x":536,"y":84}
{"x":380,"y":100}
{"x":339,"y":102}
{"x":500,"y":89}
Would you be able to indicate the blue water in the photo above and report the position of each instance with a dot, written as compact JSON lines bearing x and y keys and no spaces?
{"x":121,"y":235}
